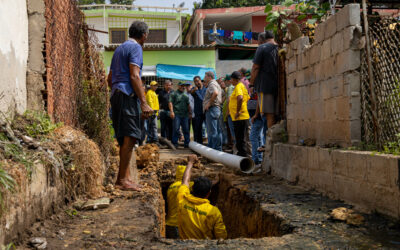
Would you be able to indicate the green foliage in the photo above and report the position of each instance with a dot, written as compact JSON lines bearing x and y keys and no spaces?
{"x":123,"y":2}
{"x":17,"y":153}
{"x":40,"y":124}
{"x":393,"y":147}
{"x":210,"y":4}
{"x":8,"y":247}
{"x":71,"y":212}
{"x":310,"y":9}
{"x":7,"y":184}
{"x":87,"y":2}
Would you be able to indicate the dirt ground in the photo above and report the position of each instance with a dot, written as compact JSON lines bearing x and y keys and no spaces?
{"x":260,"y":212}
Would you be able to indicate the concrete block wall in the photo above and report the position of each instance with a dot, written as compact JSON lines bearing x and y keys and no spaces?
{"x":368,"y":181}
{"x":323,"y":82}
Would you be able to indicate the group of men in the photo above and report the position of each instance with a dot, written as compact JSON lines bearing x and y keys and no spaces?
{"x":227,"y":106}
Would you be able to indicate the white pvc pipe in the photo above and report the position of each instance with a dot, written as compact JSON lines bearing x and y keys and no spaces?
{"x":245,"y":164}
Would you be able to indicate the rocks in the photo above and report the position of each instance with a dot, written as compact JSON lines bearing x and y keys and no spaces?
{"x":92,"y":204}
{"x":38,"y":243}
{"x":347,"y":215}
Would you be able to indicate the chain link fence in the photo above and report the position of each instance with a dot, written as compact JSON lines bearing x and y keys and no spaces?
{"x":76,"y":87}
{"x":381,"y":100}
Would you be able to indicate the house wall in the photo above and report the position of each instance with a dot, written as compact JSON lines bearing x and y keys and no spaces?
{"x":258,"y":23}
{"x":98,"y":24}
{"x":174,"y":57}
{"x":224,"y":67}
{"x":323,"y":82}
{"x":13,"y":56}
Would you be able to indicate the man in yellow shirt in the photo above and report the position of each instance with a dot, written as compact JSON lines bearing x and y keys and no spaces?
{"x":152,"y":100}
{"x":238,"y":112}
{"x":172,"y":202}
{"x":197,"y":218}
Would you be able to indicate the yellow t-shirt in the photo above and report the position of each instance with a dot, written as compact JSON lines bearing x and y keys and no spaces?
{"x":197,"y":218}
{"x":240,"y":89}
{"x":172,"y":201}
{"x":152,"y":100}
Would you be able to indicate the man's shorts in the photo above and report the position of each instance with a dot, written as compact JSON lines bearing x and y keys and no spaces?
{"x":267,"y":103}
{"x":125,"y":115}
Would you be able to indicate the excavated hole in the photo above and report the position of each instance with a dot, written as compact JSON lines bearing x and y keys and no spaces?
{"x":243,"y":215}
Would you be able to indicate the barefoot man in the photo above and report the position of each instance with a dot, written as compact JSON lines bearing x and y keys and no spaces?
{"x":128,"y":101}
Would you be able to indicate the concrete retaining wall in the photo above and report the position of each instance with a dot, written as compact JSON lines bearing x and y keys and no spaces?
{"x":13,"y":56}
{"x":323,"y":82}
{"x":368,"y":181}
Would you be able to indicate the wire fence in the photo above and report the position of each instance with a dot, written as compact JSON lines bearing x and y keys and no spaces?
{"x":380,"y":100}
{"x":76,"y":87}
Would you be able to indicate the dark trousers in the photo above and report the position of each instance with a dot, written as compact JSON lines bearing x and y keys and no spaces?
{"x":166,"y":124}
{"x":240,"y":128}
{"x":197,"y":123}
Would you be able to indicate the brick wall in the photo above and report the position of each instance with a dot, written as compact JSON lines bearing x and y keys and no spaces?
{"x":323,"y":82}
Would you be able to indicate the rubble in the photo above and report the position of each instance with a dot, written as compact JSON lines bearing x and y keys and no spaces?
{"x":38,"y":243}
{"x":347,"y":215}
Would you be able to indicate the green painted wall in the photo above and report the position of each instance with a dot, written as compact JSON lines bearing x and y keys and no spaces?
{"x":174,"y":57}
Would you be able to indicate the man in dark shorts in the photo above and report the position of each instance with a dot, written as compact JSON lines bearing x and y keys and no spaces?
{"x":264,"y":76}
{"x":128,"y":101}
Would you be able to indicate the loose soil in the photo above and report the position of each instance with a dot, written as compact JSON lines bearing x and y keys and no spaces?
{"x":260,"y":212}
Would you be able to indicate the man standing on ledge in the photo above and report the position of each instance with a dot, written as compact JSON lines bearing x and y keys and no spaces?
{"x":212,"y":109}
{"x":128,"y":101}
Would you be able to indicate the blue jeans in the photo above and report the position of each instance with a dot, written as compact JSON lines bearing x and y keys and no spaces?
{"x":213,"y":129}
{"x":181,"y":121}
{"x":223,"y":130}
{"x":152,"y":135}
{"x":230,"y":124}
{"x":197,"y":123}
{"x":256,"y":139}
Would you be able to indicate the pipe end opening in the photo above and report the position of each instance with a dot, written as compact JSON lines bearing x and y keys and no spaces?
{"x":246,"y":165}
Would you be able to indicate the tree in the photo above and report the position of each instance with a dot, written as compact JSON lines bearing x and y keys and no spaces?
{"x":122,"y":2}
{"x":210,"y":4}
{"x":87,"y":2}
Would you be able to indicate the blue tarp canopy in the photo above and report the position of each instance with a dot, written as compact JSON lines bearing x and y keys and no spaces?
{"x":181,"y":72}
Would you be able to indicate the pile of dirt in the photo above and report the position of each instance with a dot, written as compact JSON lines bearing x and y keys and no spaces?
{"x":147,"y":155}
{"x":83,"y":162}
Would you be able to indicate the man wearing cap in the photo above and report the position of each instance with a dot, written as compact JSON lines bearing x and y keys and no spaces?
{"x":212,"y":108}
{"x":264,"y":76}
{"x":179,"y":107}
{"x":152,"y":100}
{"x":128,"y":101}
{"x":238,"y":111}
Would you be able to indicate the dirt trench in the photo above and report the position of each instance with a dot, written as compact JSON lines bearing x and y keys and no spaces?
{"x":260,"y":212}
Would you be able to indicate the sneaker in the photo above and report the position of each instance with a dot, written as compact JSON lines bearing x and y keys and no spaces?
{"x":257,"y":169}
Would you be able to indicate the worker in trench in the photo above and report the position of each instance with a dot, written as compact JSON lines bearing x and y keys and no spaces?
{"x":197,"y":218}
{"x":172,"y":202}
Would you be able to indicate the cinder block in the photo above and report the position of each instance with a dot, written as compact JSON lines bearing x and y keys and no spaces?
{"x":315,"y":53}
{"x":348,"y":15}
{"x":299,"y":81}
{"x":305,"y":61}
{"x":326,"y":49}
{"x":330,"y":108}
{"x":309,"y":75}
{"x":315,"y":92}
{"x":337,"y":43}
{"x":290,"y":52}
{"x":330,"y":67}
{"x":354,"y":81}
{"x":304,"y":95}
{"x":347,"y":60}
{"x":299,"y":62}
{"x":351,"y":37}
{"x":355,"y":108}
{"x":330,"y":28}
{"x":290,"y":80}
{"x":302,"y":43}
{"x":319,"y":74}
{"x":336,"y":84}
{"x":292,"y":64}
{"x":340,"y":160}
{"x":325,"y":160}
{"x":319,"y":34}
{"x":355,"y":130}
{"x":342,"y":108}
{"x":358,"y":165}
{"x":326,"y":90}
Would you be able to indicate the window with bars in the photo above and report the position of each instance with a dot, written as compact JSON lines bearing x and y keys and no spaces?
{"x":157,"y":36}
{"x":118,"y":36}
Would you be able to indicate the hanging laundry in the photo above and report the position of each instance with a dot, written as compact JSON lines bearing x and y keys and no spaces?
{"x":255,"y":36}
{"x":238,"y":35}
{"x":248,"y":36}
{"x":227,"y":34}
{"x":221,"y":32}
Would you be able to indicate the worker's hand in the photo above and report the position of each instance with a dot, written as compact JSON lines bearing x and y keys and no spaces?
{"x":237,"y":115}
{"x":172,"y":115}
{"x":146,"y":110}
{"x":207,"y":106}
{"x":192,"y":158}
